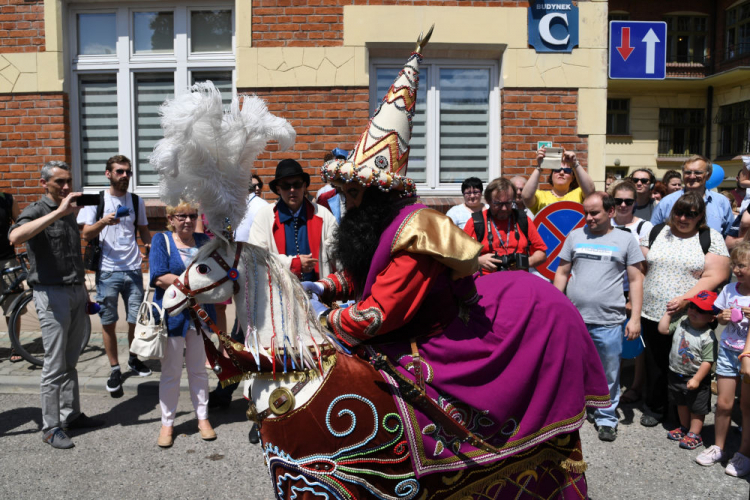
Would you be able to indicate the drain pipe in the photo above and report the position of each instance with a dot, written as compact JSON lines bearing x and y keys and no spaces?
{"x":709,"y":121}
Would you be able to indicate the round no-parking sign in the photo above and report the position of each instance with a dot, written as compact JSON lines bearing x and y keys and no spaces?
{"x":554,"y":223}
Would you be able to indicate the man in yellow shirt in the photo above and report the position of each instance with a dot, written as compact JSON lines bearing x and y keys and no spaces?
{"x":565,"y":183}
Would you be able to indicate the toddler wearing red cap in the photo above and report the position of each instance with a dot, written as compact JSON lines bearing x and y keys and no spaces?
{"x":693,"y":352}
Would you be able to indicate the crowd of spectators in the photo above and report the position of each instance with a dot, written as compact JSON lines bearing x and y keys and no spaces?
{"x":652,"y":261}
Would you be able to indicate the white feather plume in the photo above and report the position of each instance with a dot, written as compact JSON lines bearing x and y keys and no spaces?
{"x":206,"y":155}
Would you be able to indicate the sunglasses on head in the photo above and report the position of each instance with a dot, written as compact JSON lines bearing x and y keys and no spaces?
{"x":286,"y":186}
{"x":564,"y":170}
{"x":182,"y":217}
{"x":628,"y":201}
{"x":690,"y":214}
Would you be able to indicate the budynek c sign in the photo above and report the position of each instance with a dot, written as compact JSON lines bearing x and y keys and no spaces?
{"x":553,"y":25}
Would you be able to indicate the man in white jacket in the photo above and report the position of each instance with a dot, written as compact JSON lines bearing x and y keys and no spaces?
{"x":297,"y":230}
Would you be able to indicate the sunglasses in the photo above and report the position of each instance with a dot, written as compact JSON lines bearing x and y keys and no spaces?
{"x":502,"y":204}
{"x":122,"y":171}
{"x":627,"y":201}
{"x":564,"y":170}
{"x":690,"y":214}
{"x":287,"y":186}
{"x":183,"y":217}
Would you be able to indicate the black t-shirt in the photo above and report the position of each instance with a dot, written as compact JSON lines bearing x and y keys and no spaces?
{"x":6,"y":219}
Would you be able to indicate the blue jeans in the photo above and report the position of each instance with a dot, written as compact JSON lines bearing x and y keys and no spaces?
{"x":608,"y":342}
{"x":110,"y":285}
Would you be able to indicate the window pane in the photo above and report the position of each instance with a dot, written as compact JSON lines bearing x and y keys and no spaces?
{"x":211,"y":31}
{"x":222,"y":80}
{"x":153,"y":32}
{"x":98,"y":112}
{"x":151,"y":90}
{"x":417,"y":166}
{"x":97,"y":34}
{"x":464,"y":124}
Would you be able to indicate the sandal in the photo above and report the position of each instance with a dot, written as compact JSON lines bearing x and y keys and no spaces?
{"x":14,"y":358}
{"x":677,"y":434}
{"x":630,"y":396}
{"x":691,"y":441}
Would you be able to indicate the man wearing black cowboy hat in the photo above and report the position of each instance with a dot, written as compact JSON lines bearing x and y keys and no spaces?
{"x":299,"y":231}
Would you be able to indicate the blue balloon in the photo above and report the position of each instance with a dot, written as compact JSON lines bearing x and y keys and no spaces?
{"x":717,"y":177}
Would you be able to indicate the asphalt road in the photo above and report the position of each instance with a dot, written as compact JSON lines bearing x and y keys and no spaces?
{"x":121,"y":460}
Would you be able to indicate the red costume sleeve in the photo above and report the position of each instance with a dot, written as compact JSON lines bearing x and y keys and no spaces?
{"x":337,"y":286}
{"x":395,"y":298}
{"x":296,"y":266}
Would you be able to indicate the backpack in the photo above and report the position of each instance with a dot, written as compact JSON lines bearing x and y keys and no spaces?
{"x":92,"y":256}
{"x":704,"y":236}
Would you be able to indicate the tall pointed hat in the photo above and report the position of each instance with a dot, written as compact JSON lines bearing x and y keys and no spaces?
{"x":382,"y":153}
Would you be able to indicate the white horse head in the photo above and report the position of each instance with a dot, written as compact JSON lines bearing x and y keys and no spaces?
{"x":272,"y":308}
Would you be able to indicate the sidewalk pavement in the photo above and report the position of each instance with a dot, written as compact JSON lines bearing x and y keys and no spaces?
{"x":93,"y":366}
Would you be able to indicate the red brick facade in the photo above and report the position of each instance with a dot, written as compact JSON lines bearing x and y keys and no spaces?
{"x":21,"y":26}
{"x":34,"y":129}
{"x":531,"y":115}
{"x":324,"y":118}
{"x":320,"y":23}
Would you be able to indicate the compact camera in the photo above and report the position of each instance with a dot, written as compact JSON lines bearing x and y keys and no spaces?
{"x":513,"y":262}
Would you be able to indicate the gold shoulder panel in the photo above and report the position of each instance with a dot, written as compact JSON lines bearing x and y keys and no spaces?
{"x":427,"y":231}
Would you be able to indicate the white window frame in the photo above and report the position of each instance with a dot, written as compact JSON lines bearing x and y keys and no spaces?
{"x":125,"y":63}
{"x":433,"y":186}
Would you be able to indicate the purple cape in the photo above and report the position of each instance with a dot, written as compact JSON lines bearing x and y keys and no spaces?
{"x":521,"y":371}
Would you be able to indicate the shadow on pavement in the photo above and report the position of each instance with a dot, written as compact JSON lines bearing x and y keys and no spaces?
{"x":18,"y":417}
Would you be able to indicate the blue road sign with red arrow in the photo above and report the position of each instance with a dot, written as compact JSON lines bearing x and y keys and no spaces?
{"x":638,"y":50}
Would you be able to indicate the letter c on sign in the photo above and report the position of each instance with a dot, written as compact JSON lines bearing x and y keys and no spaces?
{"x":544,"y":28}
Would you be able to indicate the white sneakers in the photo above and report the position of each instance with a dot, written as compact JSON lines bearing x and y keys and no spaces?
{"x":738,"y":466}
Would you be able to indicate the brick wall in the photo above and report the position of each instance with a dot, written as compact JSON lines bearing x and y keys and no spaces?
{"x":324,"y":118}
{"x":21,"y":26}
{"x":533,"y":114}
{"x":34,"y":129}
{"x":319,"y":23}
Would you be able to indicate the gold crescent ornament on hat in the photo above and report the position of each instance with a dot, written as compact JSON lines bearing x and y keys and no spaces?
{"x":381,"y":155}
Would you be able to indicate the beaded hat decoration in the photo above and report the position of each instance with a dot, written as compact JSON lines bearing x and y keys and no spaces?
{"x":382,"y":153}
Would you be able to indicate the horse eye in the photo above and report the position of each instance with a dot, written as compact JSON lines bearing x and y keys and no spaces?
{"x":202,"y":268}
{"x":173,"y":294}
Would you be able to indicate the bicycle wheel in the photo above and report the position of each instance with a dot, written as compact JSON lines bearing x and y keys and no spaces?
{"x":25,"y":331}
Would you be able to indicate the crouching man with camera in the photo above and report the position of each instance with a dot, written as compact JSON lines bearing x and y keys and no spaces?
{"x":509,"y":239}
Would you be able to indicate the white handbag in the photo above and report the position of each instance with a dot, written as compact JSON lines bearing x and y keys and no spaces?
{"x":150,"y":336}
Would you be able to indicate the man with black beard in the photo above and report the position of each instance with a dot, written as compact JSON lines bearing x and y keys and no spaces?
{"x":114,"y":222}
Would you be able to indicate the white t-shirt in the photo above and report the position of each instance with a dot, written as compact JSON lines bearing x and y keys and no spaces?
{"x":254,"y":203}
{"x":460,"y":214}
{"x":734,"y":334}
{"x":119,"y":245}
{"x":645,"y":230}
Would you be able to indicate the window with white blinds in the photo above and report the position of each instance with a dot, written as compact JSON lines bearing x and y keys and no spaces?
{"x":455,"y":131}
{"x":126,"y":62}
{"x":98,"y":125}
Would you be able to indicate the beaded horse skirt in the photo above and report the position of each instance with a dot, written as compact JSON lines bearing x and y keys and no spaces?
{"x":349,"y":441}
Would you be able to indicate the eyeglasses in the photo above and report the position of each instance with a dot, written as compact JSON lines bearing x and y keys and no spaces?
{"x":641,"y":180}
{"x":122,"y":171}
{"x":467,"y":192}
{"x":183,"y":217}
{"x":690,"y":214}
{"x":287,"y":186}
{"x":564,"y":170}
{"x":696,"y":173}
{"x":627,"y":201}
{"x":739,"y":266}
{"x":502,"y":204}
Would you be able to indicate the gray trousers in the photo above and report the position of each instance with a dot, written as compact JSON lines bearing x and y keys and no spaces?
{"x":65,"y":325}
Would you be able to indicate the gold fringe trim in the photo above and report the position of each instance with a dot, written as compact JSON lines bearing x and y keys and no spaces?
{"x":233,"y":380}
{"x":519,"y":467}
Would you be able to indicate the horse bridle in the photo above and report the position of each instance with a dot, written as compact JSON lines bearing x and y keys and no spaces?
{"x":231,"y":274}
